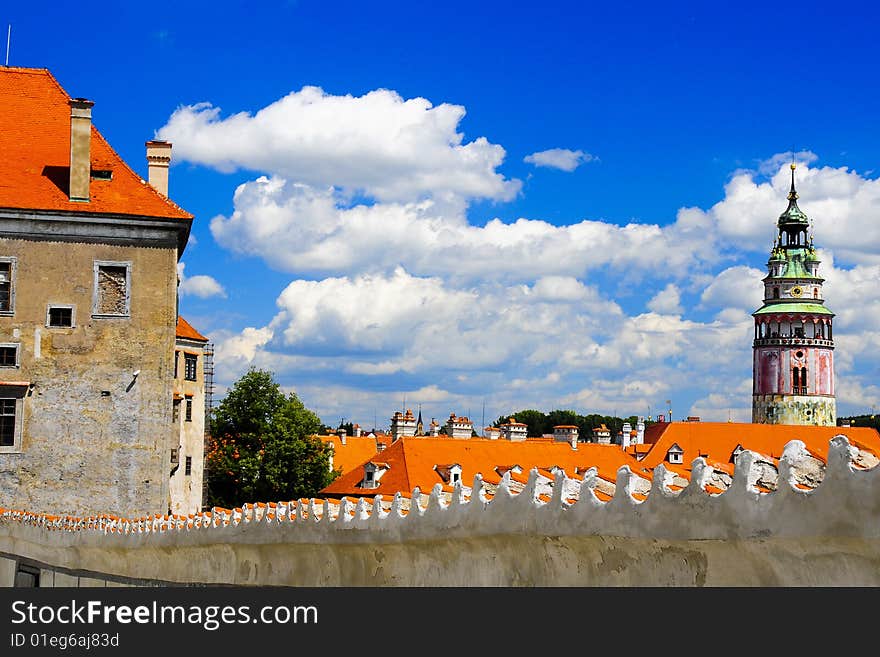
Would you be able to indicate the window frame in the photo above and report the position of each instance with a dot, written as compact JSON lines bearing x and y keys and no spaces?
{"x":187,"y":466}
{"x":17,"y":393}
{"x":187,"y":358}
{"x":60,"y":306}
{"x":13,"y":270}
{"x":188,"y":409}
{"x":17,"y":347}
{"x":98,"y":264}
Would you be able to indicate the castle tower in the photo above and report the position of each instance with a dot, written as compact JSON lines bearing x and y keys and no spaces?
{"x":793,"y":366}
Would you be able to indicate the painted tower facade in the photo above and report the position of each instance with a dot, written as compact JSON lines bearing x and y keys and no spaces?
{"x":793,"y":367}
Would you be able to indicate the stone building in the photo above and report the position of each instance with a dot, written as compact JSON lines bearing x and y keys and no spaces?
{"x":188,"y":416}
{"x":793,"y":368}
{"x":88,"y":310}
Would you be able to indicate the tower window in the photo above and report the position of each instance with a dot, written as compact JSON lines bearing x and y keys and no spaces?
{"x":775,"y":292}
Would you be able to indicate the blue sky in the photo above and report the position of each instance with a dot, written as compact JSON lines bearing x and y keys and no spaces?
{"x":499,"y":204}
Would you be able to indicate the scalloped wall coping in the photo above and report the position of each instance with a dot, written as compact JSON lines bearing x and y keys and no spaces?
{"x":844,"y":504}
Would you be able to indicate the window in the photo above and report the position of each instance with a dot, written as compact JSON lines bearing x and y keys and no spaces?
{"x":8,"y":355}
{"x":112,"y":296}
{"x":59,"y":317}
{"x":7,"y":422}
{"x":190,"y":361}
{"x":175,"y":411}
{"x":176,"y":359}
{"x":175,"y":455}
{"x":189,"y":409}
{"x":189,"y":466}
{"x":775,"y":292}
{"x":27,"y":576}
{"x":7,"y":286}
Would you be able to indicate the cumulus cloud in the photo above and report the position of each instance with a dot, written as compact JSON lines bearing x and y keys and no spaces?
{"x":558,"y":158}
{"x":201,"y":285}
{"x":299,"y":228}
{"x":666,"y":301}
{"x":378,"y":144}
{"x":394,"y":292}
{"x":840,"y":203}
{"x":735,"y":287}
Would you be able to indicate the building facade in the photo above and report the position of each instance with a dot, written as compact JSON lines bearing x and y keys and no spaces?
{"x":188,"y":417}
{"x":88,"y":311}
{"x":793,"y":349}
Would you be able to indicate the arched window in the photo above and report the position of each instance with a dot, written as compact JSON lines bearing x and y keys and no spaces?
{"x":815,"y":292}
{"x":775,"y":292}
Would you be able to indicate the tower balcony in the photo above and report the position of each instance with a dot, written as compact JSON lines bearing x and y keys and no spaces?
{"x":793,"y":341}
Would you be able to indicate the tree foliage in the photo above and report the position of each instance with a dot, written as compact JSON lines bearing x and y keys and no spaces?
{"x":263,"y":446}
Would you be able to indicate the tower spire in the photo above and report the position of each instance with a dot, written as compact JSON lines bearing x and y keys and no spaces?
{"x":792,"y":194}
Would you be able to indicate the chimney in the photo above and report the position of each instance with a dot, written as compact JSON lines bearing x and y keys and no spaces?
{"x":80,"y":148}
{"x":158,"y":159}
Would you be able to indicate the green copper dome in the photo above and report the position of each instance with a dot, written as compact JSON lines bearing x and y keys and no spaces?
{"x":793,"y":214}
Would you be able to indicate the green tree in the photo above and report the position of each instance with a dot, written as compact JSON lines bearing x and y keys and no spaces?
{"x":263,"y":446}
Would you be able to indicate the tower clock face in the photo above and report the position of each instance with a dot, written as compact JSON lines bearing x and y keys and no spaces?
{"x":796,"y":291}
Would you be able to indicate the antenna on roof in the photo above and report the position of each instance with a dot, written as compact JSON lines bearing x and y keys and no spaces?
{"x":8,"y":38}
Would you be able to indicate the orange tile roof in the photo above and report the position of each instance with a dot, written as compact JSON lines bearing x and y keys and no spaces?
{"x":353,"y":454}
{"x":185,"y":330}
{"x":35,"y":143}
{"x":718,"y":440}
{"x":412,"y":462}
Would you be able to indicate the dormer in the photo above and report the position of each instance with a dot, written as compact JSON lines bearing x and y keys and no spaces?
{"x":450,"y":473}
{"x":513,"y":469}
{"x":675,"y":454}
{"x":373,"y":472}
{"x":736,"y":452}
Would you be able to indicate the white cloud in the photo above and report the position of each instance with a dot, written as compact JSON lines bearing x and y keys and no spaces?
{"x":558,"y":158}
{"x":201,"y":286}
{"x":378,"y":144}
{"x":667,"y":301}
{"x":840,"y":203}
{"x":735,"y":287}
{"x":409,"y":297}
{"x":299,"y":228}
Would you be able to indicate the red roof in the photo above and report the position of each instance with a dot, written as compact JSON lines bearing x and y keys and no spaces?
{"x":185,"y":330}
{"x":718,"y":440}
{"x":35,"y":162}
{"x":412,"y":462}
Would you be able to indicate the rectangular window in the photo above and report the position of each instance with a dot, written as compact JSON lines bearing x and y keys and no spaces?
{"x":176,"y":359}
{"x":112,"y":297}
{"x":189,"y":465}
{"x":190,"y":363}
{"x":7,"y":286}
{"x":27,"y":576}
{"x":7,"y":422}
{"x":189,"y":409}
{"x":8,"y":355}
{"x":11,"y":411}
{"x":59,"y":317}
{"x":175,"y":411}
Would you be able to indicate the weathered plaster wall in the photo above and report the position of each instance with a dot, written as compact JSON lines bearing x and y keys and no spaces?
{"x":829,"y":536}
{"x":94,"y":440}
{"x":794,"y":409}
